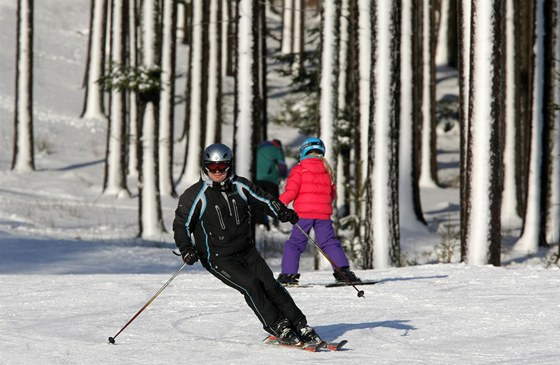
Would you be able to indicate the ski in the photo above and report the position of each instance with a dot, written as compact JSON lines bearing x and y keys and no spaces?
{"x":337,"y":284}
{"x":298,"y":285}
{"x":311,"y":347}
{"x":335,"y":346}
{"x":330,"y":285}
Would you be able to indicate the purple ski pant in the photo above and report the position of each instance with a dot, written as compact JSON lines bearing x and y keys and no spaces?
{"x":325,"y":238}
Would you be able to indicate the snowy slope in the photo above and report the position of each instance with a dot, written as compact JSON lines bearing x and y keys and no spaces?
{"x":432,"y":314}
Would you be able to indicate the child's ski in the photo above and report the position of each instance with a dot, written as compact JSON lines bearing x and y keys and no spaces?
{"x":338,"y":283}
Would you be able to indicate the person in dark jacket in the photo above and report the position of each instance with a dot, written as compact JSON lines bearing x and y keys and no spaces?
{"x":271,"y":169}
{"x":213,"y":223}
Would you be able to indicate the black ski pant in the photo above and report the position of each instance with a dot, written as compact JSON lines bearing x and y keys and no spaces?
{"x":248,"y":273}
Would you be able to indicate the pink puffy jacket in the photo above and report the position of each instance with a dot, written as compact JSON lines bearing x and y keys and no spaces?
{"x":310,"y":187}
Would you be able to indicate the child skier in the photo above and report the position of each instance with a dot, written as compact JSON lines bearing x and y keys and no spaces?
{"x":311,"y":189}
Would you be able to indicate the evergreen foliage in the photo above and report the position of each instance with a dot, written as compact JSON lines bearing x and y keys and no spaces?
{"x":144,"y":81}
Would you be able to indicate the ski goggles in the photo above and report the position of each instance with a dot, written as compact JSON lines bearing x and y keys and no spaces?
{"x":215,"y":167}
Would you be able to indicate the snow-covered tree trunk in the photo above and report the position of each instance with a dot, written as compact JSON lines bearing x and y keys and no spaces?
{"x":93,"y":102}
{"x":213,"y":107}
{"x":410,"y":210}
{"x":464,"y":20}
{"x":151,"y":222}
{"x":247,"y":89}
{"x":115,"y":161}
{"x":343,"y":58}
{"x":298,"y":36}
{"x":364,"y":107}
{"x":533,"y":234}
{"x":442,"y":48}
{"x":328,"y":88}
{"x":510,"y":217}
{"x":328,"y":83}
{"x":384,"y":141}
{"x":288,"y":27}
{"x":365,"y":54}
{"x":194,"y":134}
{"x":553,"y":212}
{"x":343,"y":53}
{"x":224,"y":37}
{"x":183,"y":137}
{"x":484,"y":159}
{"x":23,"y":157}
{"x":261,"y":133}
{"x":132,"y":96}
{"x":167,"y":100}
{"x":428,"y":168}
{"x":229,"y":37}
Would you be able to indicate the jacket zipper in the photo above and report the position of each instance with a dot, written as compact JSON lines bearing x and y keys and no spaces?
{"x":220,"y":218}
{"x":236,"y":212}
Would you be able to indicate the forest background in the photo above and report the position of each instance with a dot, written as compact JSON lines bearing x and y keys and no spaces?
{"x":163,"y":79}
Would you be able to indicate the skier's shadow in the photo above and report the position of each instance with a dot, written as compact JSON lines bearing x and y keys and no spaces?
{"x":336,"y":331}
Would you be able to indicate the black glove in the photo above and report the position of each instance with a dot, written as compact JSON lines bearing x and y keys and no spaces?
{"x":189,"y":255}
{"x":288,"y":215}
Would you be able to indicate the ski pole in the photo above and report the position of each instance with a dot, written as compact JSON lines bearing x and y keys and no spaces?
{"x":336,"y":267}
{"x":112,"y":339}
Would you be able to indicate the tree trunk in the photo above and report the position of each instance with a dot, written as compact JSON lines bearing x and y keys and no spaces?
{"x":533,"y":235}
{"x":132,"y":96}
{"x":115,"y":161}
{"x":328,"y":113}
{"x":262,"y":133}
{"x":364,"y":107}
{"x":328,"y":88}
{"x":383,"y":157}
{"x":484,"y":155}
{"x":247,"y":89}
{"x":342,"y":168}
{"x":23,"y":157}
{"x":410,"y":209}
{"x":428,"y":174}
{"x":464,"y":21}
{"x":196,"y":100}
{"x":553,"y":211}
{"x":548,"y":116}
{"x":213,"y":107}
{"x":524,"y":39}
{"x":510,"y":215}
{"x":95,"y":69}
{"x":151,"y":222}
{"x":288,"y":27}
{"x":167,"y":103}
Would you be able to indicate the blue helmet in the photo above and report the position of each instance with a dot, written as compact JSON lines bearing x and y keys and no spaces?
{"x":311,"y":144}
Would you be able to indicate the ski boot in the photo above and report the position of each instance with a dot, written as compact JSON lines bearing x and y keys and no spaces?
{"x":345,"y":275}
{"x":286,"y":335}
{"x":288,"y":279}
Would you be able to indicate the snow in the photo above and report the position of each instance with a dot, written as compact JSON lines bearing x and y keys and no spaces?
{"x":63,"y":304}
{"x":72,"y":272}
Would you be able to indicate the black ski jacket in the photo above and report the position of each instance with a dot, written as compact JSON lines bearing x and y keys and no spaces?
{"x":217,"y":216}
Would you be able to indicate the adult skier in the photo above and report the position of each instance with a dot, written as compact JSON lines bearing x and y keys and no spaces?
{"x":213,"y":223}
